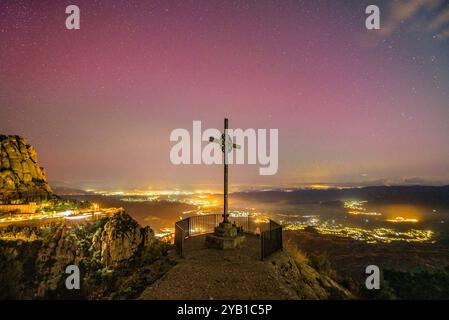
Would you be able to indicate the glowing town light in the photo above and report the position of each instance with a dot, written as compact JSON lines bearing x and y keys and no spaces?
{"x":402,"y":220}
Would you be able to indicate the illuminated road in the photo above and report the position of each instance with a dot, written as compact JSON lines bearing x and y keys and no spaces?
{"x":43,"y":218}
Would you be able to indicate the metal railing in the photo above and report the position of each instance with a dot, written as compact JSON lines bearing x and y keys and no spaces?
{"x":271,"y":239}
{"x":194,"y":226}
{"x":269,"y":231}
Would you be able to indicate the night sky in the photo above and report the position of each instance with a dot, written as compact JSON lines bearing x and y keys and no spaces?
{"x":352,"y":106}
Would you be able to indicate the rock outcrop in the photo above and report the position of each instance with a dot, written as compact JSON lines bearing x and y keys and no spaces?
{"x":21,"y":178}
{"x":305,"y":281}
{"x":109,"y":253}
{"x":120,"y":239}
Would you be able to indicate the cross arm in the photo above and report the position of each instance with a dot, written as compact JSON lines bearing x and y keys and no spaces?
{"x":220,"y":141}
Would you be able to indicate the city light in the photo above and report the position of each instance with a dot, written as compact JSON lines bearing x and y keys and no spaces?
{"x":402,"y":220}
{"x":383,"y":235}
{"x":356,"y":207}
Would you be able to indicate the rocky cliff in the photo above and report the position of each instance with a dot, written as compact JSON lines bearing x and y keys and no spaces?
{"x":21,"y":178}
{"x":296,"y":273}
{"x":115,"y":255}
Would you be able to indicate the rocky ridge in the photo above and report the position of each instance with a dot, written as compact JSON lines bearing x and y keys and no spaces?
{"x":108,"y":252}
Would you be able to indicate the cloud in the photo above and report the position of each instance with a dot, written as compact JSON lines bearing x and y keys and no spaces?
{"x":402,"y":11}
{"x":440,"y":20}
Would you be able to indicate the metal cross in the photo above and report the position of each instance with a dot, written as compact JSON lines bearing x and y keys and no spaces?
{"x":226,"y":147}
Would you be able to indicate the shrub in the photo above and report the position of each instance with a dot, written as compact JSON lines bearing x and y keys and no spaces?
{"x":322,"y":264}
{"x":298,"y":256}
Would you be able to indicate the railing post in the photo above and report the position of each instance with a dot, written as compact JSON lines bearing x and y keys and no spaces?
{"x":188,"y":227}
{"x":282,"y":242}
{"x":181,"y":250}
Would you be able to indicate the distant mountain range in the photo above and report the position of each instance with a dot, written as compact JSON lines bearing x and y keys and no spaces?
{"x":380,"y":194}
{"x":418,"y":194}
{"x":65,"y":190}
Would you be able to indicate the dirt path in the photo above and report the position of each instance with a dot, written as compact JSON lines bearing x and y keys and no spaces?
{"x":214,"y":274}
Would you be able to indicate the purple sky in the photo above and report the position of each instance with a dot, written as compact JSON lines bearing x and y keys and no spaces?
{"x":351,"y":105}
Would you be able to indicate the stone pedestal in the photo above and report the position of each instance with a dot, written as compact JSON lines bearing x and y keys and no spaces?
{"x":225,"y":236}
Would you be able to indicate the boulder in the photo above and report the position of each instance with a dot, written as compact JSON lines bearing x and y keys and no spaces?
{"x":122,"y":238}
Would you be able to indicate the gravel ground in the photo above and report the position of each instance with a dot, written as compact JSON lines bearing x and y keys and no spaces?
{"x":215,"y":274}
